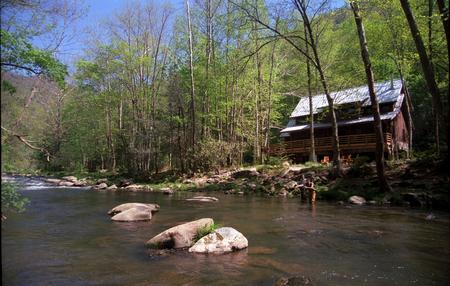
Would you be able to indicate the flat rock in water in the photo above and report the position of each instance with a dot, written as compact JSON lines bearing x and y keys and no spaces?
{"x":222,"y":240}
{"x":127,"y":206}
{"x":179,"y":236}
{"x":112,"y":187}
{"x":357,"y":200}
{"x":72,"y":179}
{"x":53,"y":181}
{"x":100,"y":186}
{"x":65,"y":184}
{"x":203,"y":199}
{"x":139,"y":213}
{"x":137,"y":188}
{"x":103,"y":180}
{"x":79,"y":183}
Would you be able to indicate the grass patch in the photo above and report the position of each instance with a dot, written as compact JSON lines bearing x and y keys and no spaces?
{"x":205,"y":231}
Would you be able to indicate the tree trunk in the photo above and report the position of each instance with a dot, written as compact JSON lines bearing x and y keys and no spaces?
{"x":312,"y":152}
{"x":430,"y":56}
{"x":384,"y":186}
{"x":444,"y":16}
{"x":337,"y":168}
{"x":191,"y":70}
{"x":426,"y":64}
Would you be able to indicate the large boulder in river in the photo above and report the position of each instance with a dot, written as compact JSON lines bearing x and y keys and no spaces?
{"x":357,"y":200}
{"x":203,"y":199}
{"x":127,"y":206}
{"x":181,"y":235}
{"x":222,"y":240}
{"x":133,"y":212}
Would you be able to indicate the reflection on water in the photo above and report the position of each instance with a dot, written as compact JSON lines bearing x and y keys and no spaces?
{"x":66,"y":238}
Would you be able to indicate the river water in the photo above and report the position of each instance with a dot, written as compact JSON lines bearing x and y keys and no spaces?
{"x":65,"y":237}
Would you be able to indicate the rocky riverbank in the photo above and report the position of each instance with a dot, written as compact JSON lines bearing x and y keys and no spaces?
{"x":415,"y":183}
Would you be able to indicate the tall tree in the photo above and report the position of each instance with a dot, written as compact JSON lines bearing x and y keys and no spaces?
{"x":384,"y":186}
{"x":427,"y":67}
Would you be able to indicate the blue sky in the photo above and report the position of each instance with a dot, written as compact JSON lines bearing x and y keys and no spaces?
{"x":98,"y":11}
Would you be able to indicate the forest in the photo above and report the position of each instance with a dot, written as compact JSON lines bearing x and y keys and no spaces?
{"x":203,"y":84}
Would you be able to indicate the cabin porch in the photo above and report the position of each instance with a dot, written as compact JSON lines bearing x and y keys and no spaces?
{"x":357,"y":143}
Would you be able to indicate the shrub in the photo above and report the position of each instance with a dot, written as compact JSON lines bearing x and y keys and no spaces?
{"x":11,"y":199}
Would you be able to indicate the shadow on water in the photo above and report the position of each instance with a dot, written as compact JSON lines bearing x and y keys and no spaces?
{"x":66,"y":238}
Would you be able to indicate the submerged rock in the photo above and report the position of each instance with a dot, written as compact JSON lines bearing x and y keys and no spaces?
{"x":222,"y":240}
{"x":356,"y":200}
{"x":203,"y":199}
{"x":294,"y":281}
{"x":415,"y":200}
{"x":179,"y":236}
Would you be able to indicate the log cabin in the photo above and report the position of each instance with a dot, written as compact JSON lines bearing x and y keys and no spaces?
{"x":355,"y":123}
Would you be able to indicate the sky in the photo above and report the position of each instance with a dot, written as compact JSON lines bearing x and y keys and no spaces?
{"x":99,"y":11}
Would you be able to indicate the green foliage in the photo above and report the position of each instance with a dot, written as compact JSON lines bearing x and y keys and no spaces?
{"x":205,"y":231}
{"x":359,"y":161}
{"x":130,"y":109}
{"x":18,"y":53}
{"x":7,"y":86}
{"x":276,"y":160}
{"x":11,"y":199}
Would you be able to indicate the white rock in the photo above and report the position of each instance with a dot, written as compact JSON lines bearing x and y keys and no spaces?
{"x":112,"y":187}
{"x":203,"y":199}
{"x":134,"y":214}
{"x":127,"y":206}
{"x":222,"y":240}
{"x":356,"y":200}
{"x":100,"y":186}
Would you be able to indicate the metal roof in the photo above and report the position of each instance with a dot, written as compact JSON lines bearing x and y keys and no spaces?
{"x":383,"y":91}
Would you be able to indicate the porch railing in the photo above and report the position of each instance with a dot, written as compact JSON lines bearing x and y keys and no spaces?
{"x":349,"y":143}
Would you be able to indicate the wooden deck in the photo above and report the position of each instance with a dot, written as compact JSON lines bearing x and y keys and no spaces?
{"x":348,"y":144}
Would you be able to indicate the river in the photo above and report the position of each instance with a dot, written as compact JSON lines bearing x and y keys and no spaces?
{"x":65,"y":237}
